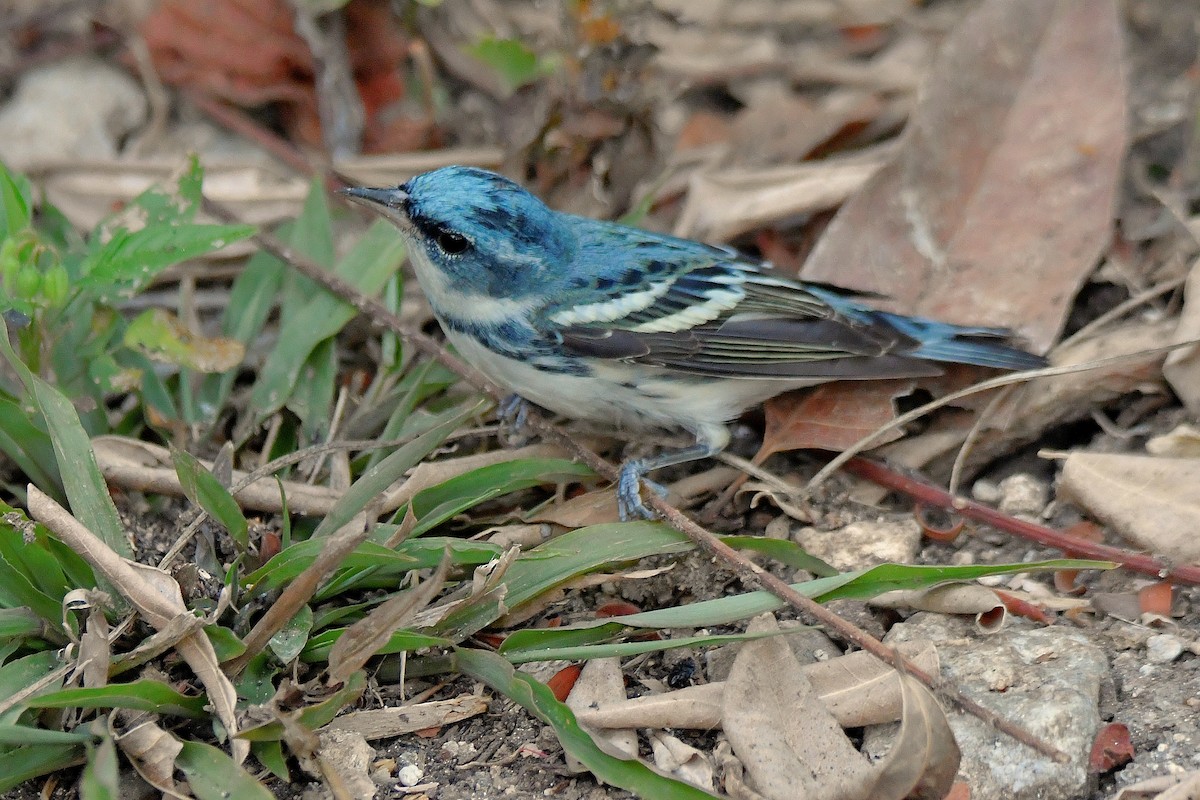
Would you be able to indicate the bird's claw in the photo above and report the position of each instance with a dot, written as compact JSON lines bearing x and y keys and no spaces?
{"x":629,"y":495}
{"x":513,"y":412}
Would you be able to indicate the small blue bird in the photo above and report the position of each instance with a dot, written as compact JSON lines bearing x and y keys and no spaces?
{"x":601,"y":321}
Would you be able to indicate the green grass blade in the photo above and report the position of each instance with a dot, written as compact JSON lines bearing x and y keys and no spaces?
{"x":537,"y":699}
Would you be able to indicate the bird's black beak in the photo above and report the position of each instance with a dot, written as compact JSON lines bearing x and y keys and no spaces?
{"x":393,"y":198}
{"x":391,"y":204}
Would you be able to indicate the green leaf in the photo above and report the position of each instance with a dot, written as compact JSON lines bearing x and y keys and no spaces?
{"x":29,"y":447}
{"x":515,"y":63}
{"x":386,"y":472}
{"x":783,"y":551}
{"x":536,"y":698}
{"x":99,"y":781}
{"x":16,"y":210}
{"x":368,"y":266}
{"x":402,"y":641}
{"x":254,"y":294}
{"x":213,"y":775}
{"x":19,"y":623}
{"x":24,"y":672}
{"x":435,"y":505}
{"x":139,"y":695}
{"x":225,"y":642}
{"x":131,"y":259}
{"x":21,"y":764}
{"x":85,"y":487}
{"x":559,"y":560}
{"x":860,"y":584}
{"x":287,"y":643}
{"x":531,"y":649}
{"x":203,"y":489}
{"x":314,"y":716}
{"x":23,"y":734}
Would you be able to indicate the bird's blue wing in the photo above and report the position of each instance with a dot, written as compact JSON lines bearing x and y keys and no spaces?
{"x":703,"y":310}
{"x":689,"y":307}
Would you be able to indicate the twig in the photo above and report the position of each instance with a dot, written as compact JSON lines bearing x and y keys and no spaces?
{"x":746,"y":570}
{"x":1076,"y":546}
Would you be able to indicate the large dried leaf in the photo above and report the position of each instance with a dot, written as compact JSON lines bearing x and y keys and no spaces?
{"x":924,"y":758}
{"x":832,"y":416}
{"x":1002,"y":197}
{"x":1153,"y":502}
{"x":787,"y":754}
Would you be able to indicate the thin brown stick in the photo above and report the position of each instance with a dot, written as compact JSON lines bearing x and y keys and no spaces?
{"x":1075,"y":546}
{"x":748,"y":572}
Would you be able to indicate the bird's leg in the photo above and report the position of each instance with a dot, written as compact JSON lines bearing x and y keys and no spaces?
{"x":629,"y":498}
{"x":513,"y":412}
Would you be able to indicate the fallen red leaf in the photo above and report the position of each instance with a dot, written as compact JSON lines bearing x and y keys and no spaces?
{"x":616,"y":608}
{"x":1023,"y":608}
{"x":1156,"y":599}
{"x":563,"y":681}
{"x":1111,"y":748}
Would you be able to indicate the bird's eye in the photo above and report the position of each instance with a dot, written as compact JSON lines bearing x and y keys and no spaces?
{"x":451,"y":243}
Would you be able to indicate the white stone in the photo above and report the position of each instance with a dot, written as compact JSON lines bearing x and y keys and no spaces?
{"x":410,"y":775}
{"x":75,"y":109}
{"x":1163,"y":648}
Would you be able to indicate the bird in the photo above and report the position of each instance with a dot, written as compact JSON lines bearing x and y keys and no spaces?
{"x":601,"y":321}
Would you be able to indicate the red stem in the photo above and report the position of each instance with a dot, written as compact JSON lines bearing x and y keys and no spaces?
{"x":1075,"y":546}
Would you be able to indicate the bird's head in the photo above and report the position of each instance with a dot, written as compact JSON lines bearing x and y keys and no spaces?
{"x":480,"y":231}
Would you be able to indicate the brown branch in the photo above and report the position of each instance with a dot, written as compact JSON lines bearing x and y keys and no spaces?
{"x":1074,"y":546}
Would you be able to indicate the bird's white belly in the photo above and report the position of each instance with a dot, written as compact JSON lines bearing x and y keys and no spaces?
{"x":627,"y":395}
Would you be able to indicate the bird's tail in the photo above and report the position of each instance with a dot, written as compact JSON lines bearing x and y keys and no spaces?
{"x":941,"y":341}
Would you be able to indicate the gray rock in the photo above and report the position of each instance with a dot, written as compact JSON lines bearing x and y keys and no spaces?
{"x":1046,"y":680}
{"x":864,"y":544}
{"x":1163,"y":648}
{"x":79,"y":108}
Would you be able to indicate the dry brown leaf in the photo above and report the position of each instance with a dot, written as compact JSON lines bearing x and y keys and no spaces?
{"x":1182,"y":368}
{"x":150,"y":749}
{"x":681,"y":761}
{"x":1002,"y":197}
{"x":1182,"y":441}
{"x":386,"y":723}
{"x":590,"y":508}
{"x":924,"y":758}
{"x":786,"y":753}
{"x":601,"y":681}
{"x":832,"y":416}
{"x":950,"y":598}
{"x":147,"y":467}
{"x":344,"y":758}
{"x":857,"y":689}
{"x":725,"y":204}
{"x":1153,"y":502}
{"x":156,"y":596}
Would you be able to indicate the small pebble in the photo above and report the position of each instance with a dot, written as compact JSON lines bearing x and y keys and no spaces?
{"x":410,"y":775}
{"x":986,"y":491}
{"x":1023,"y":494}
{"x":1163,"y":648}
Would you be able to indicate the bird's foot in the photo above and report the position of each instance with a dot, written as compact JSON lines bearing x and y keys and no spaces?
{"x":629,"y":494}
{"x":513,"y":412}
